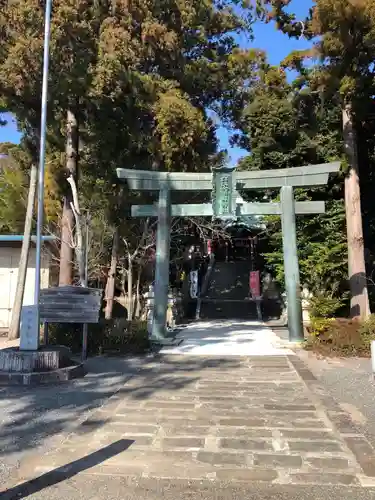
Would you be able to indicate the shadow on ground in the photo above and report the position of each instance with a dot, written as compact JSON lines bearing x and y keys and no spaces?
{"x":30,"y":416}
{"x":66,"y":472}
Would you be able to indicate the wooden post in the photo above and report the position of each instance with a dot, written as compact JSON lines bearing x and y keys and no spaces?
{"x":111,"y":280}
{"x":14,"y":328}
{"x":162,"y":265}
{"x":85,"y":328}
{"x":291,"y":267}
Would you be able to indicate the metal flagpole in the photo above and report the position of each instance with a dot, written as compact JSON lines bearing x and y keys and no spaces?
{"x":42,"y":150}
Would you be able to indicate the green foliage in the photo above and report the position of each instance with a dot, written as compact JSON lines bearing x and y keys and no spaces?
{"x":367,"y":331}
{"x":320,"y":325}
{"x":141,"y":84}
{"x":13,"y":188}
{"x":325,"y":306}
{"x":284,"y":127}
{"x":342,"y":34}
{"x":180,"y":126}
{"x":117,"y":335}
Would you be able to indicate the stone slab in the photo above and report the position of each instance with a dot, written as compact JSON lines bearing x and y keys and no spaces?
{"x":40,"y":378}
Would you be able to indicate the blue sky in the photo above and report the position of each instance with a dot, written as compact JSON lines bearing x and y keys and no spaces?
{"x":267,"y":38}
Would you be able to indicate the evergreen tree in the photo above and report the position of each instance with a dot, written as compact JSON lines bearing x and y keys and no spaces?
{"x":285,"y":125}
{"x":131,"y":85}
{"x":346,"y":49}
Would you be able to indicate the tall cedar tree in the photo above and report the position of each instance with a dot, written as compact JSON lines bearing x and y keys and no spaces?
{"x":345,"y":31}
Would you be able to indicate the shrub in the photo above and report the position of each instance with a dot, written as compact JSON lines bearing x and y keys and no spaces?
{"x":338,"y":337}
{"x":319,"y":326}
{"x":131,"y":337}
{"x":116,"y":334}
{"x":323,"y":306}
{"x":367,"y":331}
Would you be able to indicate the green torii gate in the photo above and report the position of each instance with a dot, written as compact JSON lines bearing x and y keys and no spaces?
{"x":224,"y":184}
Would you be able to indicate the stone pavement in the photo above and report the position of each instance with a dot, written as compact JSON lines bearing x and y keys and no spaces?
{"x":241,"y":421}
{"x":229,"y":338}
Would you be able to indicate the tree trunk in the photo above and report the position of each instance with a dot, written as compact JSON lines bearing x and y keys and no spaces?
{"x":67,"y":223}
{"x":138,"y":293}
{"x":110,"y":288}
{"x":359,"y":303}
{"x":14,"y":329}
{"x":130,"y":289}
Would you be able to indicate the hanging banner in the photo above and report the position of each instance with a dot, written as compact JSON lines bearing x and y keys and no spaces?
{"x":209,"y":247}
{"x":254,"y":284}
{"x":194,"y":284}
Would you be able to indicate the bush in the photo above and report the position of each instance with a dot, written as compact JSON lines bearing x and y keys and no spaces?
{"x":117,"y":335}
{"x":320,"y":326}
{"x":126,"y":337}
{"x":323,"y":306}
{"x":340,"y":337}
{"x":367,"y":331}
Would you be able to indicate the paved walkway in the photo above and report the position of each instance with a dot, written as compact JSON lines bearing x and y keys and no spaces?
{"x":229,"y":338}
{"x":234,"y":420}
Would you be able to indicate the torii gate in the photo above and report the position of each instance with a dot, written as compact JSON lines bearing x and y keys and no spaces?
{"x":224,"y":184}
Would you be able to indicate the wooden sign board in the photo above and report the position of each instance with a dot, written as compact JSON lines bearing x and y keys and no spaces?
{"x":70,"y":304}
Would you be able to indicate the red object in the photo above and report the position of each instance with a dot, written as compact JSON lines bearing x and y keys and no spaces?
{"x":254,"y":283}
{"x":151,"y":254}
{"x":209,"y":247}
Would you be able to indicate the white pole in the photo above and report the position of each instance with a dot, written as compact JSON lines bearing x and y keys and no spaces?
{"x":373,"y":356}
{"x":42,"y":151}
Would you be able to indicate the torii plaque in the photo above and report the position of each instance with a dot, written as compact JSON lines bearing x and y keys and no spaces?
{"x":224,"y":184}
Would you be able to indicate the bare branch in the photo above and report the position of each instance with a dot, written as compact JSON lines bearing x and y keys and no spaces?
{"x":78,"y":219}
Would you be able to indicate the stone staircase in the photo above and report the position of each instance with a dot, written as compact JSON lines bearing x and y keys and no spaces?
{"x":228,"y":292}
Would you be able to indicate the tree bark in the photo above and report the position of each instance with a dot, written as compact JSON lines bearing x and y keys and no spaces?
{"x":359,"y":302}
{"x":110,"y":288}
{"x":67,"y":223}
{"x":14,"y":329}
{"x":138,"y":293}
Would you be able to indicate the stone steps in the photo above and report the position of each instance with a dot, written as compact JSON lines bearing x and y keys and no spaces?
{"x":224,"y":309}
{"x":229,"y":280}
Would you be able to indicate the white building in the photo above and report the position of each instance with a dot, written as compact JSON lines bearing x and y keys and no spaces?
{"x":9,"y":261}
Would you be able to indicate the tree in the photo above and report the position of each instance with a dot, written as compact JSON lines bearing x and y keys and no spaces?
{"x":129,"y":85}
{"x":285,"y":125}
{"x":345,"y":48}
{"x":13,"y":187}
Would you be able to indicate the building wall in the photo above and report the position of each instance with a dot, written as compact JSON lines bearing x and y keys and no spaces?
{"x":9,"y":261}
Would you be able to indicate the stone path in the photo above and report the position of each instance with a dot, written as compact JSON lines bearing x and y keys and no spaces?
{"x":232,"y":419}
